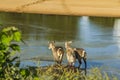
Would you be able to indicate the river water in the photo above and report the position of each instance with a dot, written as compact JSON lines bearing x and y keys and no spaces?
{"x":99,"y":36}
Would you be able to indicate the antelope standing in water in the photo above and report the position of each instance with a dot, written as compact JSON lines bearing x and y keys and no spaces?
{"x":57,"y":52}
{"x":70,"y":54}
{"x":75,"y":53}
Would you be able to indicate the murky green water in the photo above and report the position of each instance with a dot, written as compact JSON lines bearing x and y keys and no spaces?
{"x":99,"y":36}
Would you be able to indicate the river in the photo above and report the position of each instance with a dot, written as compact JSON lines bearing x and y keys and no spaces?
{"x":99,"y":36}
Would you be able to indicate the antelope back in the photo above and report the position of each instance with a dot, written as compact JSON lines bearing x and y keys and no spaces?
{"x":81,"y":52}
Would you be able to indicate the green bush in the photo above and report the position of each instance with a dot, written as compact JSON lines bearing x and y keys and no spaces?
{"x":9,"y":67}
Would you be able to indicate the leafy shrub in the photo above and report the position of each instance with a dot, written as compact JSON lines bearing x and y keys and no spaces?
{"x":8,"y":46}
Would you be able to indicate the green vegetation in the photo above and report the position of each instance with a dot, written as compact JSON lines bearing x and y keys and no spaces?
{"x":8,"y":47}
{"x":9,"y":64}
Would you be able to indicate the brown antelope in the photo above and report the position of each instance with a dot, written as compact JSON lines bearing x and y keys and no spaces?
{"x":70,"y":54}
{"x":57,"y":51}
{"x":77,"y":53}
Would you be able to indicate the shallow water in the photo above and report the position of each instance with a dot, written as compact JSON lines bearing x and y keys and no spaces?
{"x":99,"y":36}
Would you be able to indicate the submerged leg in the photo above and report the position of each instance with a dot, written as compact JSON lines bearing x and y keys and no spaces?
{"x":85,"y":62}
{"x":84,"y":59}
{"x":80,"y":62}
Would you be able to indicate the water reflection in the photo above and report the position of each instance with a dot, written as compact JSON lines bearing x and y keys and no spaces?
{"x":60,"y":28}
{"x":84,"y":28}
{"x":46,"y":27}
{"x":116,"y":33}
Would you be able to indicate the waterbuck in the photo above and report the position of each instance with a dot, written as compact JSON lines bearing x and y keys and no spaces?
{"x":57,"y":52}
{"x":70,"y":54}
{"x":75,"y":53}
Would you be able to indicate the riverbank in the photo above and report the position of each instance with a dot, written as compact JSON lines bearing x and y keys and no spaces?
{"x":106,"y":8}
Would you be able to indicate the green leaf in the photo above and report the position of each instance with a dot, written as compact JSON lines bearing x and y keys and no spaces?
{"x":36,"y":78}
{"x":9,"y":29}
{"x":5,"y":39}
{"x":6,"y":29}
{"x":23,"y":72}
{"x":17,"y":36}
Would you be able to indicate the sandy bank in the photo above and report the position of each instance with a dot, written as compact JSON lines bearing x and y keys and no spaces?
{"x":110,"y":8}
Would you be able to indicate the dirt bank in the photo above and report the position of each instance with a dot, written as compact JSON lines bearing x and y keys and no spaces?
{"x":109,"y":8}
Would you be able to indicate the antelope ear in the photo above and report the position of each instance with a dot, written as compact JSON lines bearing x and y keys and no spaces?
{"x":70,"y":42}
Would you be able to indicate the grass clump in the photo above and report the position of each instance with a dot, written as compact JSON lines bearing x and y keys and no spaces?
{"x":61,"y":72}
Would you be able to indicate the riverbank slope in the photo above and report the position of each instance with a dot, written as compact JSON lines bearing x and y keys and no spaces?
{"x":108,"y":8}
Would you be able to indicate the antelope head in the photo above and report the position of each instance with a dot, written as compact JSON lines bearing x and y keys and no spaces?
{"x":51,"y":44}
